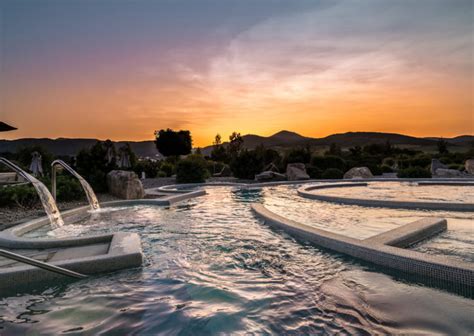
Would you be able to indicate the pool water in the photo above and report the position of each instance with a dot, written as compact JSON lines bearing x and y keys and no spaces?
{"x":404,"y":191}
{"x":211,"y":267}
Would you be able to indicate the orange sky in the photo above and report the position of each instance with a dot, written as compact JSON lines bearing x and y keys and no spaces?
{"x":385,"y":68}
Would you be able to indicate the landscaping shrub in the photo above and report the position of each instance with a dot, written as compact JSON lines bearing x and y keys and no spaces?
{"x":246,"y":164}
{"x":314,"y":172}
{"x":386,"y":169}
{"x":420,"y":160}
{"x":329,"y":161}
{"x":414,"y":172}
{"x":68,"y":189}
{"x":375,"y":169}
{"x":298,"y":155}
{"x":168,"y":168}
{"x":161,"y":174}
{"x":150,"y":168}
{"x":192,"y":169}
{"x":21,"y":195}
{"x":389,"y":161}
{"x":93,"y":166}
{"x":269,"y":156}
{"x":214,"y":166}
{"x":333,"y":173}
{"x":219,"y":153}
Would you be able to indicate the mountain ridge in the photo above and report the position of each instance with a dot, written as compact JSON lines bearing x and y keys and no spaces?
{"x":284,"y":138}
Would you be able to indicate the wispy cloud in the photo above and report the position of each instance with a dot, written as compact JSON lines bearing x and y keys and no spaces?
{"x":322,"y":67}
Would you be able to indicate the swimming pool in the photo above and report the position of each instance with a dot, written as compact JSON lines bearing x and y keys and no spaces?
{"x":213,"y":267}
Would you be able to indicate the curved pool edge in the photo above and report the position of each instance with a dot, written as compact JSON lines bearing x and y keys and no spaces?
{"x":304,"y":191}
{"x":178,"y":188}
{"x":376,"y":251}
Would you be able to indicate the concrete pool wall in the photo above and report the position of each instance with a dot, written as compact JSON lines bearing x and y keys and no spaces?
{"x":305,"y":191}
{"x":384,"y":249}
{"x":184,"y":187}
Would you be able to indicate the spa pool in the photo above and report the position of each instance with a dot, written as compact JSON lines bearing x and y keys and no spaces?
{"x":212,"y":267}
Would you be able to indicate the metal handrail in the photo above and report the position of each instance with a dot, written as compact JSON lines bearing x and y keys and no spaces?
{"x":42,"y":265}
{"x":15,"y":168}
{"x":87,"y":188}
{"x":54,"y":165}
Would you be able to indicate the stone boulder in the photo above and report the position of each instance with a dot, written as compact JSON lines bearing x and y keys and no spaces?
{"x":358,"y":173}
{"x":296,"y":171}
{"x":270,"y":176}
{"x":125,"y":184}
{"x":435,"y":165}
{"x":469,"y":166}
{"x":442,"y":172}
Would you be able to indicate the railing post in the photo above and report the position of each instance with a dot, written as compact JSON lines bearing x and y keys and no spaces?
{"x":53,"y":180}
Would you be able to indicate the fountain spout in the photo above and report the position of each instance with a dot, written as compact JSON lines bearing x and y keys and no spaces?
{"x":45,"y":196}
{"x":91,"y":197}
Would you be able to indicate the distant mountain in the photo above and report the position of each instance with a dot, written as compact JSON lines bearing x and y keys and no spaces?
{"x":461,"y":139}
{"x":282,"y":138}
{"x":349,"y":139}
{"x":363,"y":138}
{"x":63,"y":146}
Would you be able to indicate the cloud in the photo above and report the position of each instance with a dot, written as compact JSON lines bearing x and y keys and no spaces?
{"x":347,"y":51}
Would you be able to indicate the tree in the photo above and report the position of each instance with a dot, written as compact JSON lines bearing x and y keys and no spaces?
{"x":246,"y":164}
{"x":218,"y":152}
{"x":328,"y":161}
{"x":217,"y":140}
{"x":173,"y":143}
{"x":235,"y":144}
{"x":442,"y":146}
{"x":334,"y":149}
{"x":356,"y":151}
{"x":93,"y":165}
{"x":192,"y":169}
{"x":388,"y":147}
{"x":298,"y":155}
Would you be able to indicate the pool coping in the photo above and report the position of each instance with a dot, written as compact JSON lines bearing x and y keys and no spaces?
{"x":304,"y":191}
{"x":384,"y":249}
{"x":179,"y":188}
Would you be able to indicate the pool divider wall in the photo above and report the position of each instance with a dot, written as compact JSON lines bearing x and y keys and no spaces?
{"x":181,"y":187}
{"x":376,"y":252}
{"x":304,"y":191}
{"x":124,"y":252}
{"x":411,"y":233}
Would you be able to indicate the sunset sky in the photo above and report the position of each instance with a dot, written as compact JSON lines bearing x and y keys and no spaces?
{"x":122,"y":69}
